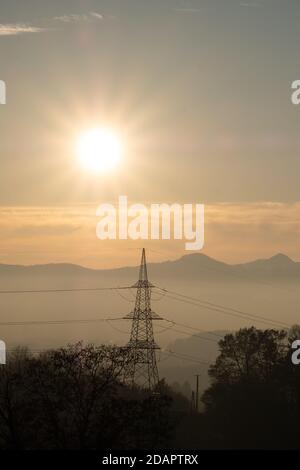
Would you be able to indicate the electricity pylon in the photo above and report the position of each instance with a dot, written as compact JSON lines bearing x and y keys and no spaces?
{"x":142,"y":369}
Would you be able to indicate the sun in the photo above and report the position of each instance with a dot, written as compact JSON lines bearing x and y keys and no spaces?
{"x":99,"y":149}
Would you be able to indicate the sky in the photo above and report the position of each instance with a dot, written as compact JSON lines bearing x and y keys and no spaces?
{"x":200,"y":91}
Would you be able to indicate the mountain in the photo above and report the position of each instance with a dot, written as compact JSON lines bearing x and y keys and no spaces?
{"x":196,"y":266}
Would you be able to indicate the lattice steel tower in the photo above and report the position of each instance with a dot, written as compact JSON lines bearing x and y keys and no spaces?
{"x":142,"y":368}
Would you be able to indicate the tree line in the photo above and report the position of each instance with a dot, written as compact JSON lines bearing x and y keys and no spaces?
{"x":74,"y":398}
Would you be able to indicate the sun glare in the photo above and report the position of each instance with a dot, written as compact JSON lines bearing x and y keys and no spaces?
{"x":99,"y":149}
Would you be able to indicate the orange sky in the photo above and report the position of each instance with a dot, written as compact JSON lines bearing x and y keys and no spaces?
{"x":233,"y":233}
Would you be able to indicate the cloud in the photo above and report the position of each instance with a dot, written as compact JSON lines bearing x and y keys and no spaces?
{"x":96,"y":15}
{"x":15,"y":29}
{"x":18,"y":28}
{"x":79,"y":18}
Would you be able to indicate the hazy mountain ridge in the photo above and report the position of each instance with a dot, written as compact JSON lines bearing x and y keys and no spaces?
{"x":194,"y":265}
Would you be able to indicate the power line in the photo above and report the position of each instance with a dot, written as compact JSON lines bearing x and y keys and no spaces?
{"x":117,"y":329}
{"x":186,"y":357}
{"x":195,"y":335}
{"x":57,"y":322}
{"x":51,"y":291}
{"x":194,"y":329}
{"x":171,"y":294}
{"x":222,"y":309}
{"x":166,"y":328}
{"x":124,"y":297}
{"x":183,"y":298}
{"x":198,"y":329}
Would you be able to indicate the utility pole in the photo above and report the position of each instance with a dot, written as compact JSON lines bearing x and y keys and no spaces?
{"x":197,"y":392}
{"x":193,"y":406}
{"x":142,"y":369}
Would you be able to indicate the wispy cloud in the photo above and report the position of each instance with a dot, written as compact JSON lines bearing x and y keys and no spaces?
{"x":96,"y":15}
{"x":15,"y":29}
{"x":18,"y":28}
{"x":79,"y":18}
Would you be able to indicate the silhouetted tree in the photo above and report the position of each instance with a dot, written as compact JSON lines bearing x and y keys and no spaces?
{"x":72,"y":398}
{"x":253,"y":401}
